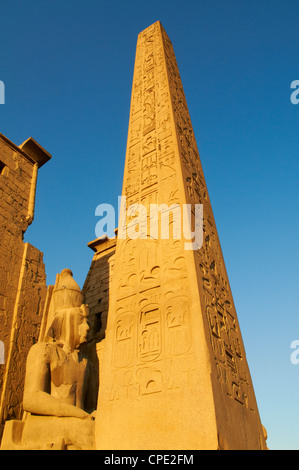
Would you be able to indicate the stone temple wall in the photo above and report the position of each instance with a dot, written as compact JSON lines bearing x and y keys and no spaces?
{"x":22,"y":271}
{"x":97,"y":283}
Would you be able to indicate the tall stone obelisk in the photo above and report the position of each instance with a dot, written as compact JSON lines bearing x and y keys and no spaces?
{"x":174,"y":373}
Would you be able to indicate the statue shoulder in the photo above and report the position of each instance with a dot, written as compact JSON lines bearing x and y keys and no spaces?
{"x":42,"y":350}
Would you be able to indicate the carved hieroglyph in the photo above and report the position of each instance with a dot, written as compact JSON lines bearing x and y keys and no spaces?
{"x":174,"y":372}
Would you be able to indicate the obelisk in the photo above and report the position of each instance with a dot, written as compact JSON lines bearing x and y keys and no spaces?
{"x":174,"y":372}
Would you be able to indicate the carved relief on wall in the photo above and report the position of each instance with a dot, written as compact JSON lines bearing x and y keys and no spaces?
{"x":124,"y":339}
{"x":217,"y":302}
{"x":231,"y":366}
{"x":178,"y":335}
{"x":164,"y":376}
{"x":149,"y":333}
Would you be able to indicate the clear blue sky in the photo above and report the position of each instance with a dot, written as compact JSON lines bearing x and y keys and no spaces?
{"x":67,"y":67}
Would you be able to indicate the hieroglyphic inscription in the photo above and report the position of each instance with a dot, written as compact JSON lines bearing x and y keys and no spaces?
{"x":148,"y":270}
{"x":174,"y":371}
{"x":178,"y":331}
{"x":124,"y":343}
{"x":216,"y":296}
{"x":149,"y":337}
{"x":165,"y":376}
{"x":156,"y":324}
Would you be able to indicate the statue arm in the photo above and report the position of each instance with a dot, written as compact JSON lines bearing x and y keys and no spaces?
{"x":36,"y":398}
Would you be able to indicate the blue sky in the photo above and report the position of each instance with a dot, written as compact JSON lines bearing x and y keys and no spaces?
{"x":67,"y":68}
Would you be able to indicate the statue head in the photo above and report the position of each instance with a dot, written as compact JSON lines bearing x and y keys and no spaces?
{"x":69,"y":324}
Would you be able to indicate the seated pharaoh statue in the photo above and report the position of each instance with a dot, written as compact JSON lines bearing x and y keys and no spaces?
{"x":59,"y":394}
